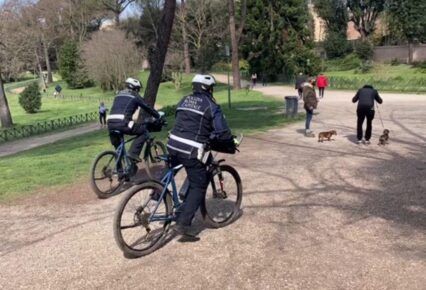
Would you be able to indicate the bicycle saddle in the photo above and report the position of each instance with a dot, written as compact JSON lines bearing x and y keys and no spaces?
{"x":116,"y":132}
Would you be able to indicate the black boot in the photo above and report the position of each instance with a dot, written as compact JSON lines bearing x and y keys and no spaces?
{"x":186,"y":233}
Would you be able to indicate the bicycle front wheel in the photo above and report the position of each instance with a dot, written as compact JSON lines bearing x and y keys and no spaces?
{"x":138,"y":230}
{"x":104,"y":179}
{"x":155,"y":167}
{"x":223,"y":197}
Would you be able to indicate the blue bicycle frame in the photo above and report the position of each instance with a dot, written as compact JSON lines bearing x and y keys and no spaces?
{"x":121,"y":152}
{"x":169,"y":178}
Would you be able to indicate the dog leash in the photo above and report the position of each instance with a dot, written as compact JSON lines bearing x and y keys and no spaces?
{"x":380,"y":116}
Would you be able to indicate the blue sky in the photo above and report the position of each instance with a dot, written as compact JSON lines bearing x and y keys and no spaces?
{"x":130,"y":10}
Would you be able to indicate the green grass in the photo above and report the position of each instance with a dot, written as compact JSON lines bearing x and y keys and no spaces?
{"x":53,"y":108}
{"x":68,"y":161}
{"x":398,"y":78}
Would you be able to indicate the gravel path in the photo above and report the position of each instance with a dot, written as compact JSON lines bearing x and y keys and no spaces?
{"x":14,"y":147}
{"x":332,"y":215}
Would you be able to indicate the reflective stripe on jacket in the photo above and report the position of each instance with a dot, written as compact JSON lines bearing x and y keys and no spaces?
{"x":198,"y":120}
{"x":125,"y":104}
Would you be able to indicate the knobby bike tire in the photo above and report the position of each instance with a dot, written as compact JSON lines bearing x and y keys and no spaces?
{"x":156,"y":149}
{"x":127,"y":249}
{"x":208,"y":217}
{"x":101,"y":193}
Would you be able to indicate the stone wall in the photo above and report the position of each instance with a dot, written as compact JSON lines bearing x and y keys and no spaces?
{"x":399,"y":52}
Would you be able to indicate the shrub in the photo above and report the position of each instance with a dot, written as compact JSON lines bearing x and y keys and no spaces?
{"x":421,"y":66}
{"x":221,"y":67}
{"x":365,"y":67}
{"x":349,"y":62}
{"x":364,"y":50}
{"x":305,"y":60}
{"x":244,"y":65}
{"x":166,"y":76}
{"x":30,"y":98}
{"x":336,"y":45}
{"x":395,"y":61}
{"x":177,"y":79}
{"x":110,"y":58}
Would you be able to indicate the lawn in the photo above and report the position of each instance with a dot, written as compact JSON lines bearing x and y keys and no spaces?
{"x":54,"y":108}
{"x":67,"y":161}
{"x":385,"y":77}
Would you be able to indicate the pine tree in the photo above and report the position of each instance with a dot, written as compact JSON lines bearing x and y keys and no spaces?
{"x":278,"y":38}
{"x":335,"y":15}
{"x":71,"y":68}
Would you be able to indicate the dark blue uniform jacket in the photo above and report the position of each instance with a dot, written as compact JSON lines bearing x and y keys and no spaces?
{"x":199,"y":121}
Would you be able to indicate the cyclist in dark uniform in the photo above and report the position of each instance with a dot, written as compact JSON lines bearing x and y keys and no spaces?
{"x":200,"y":124}
{"x":125,"y":104}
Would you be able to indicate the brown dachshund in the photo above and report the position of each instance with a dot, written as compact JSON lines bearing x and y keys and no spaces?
{"x":326,"y":135}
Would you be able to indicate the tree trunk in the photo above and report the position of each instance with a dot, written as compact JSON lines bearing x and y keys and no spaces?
{"x":187,"y":60}
{"x":40,"y":71}
{"x":234,"y":43}
{"x":5,"y":116}
{"x":158,"y":53}
{"x":117,"y":18}
{"x":46,"y":57}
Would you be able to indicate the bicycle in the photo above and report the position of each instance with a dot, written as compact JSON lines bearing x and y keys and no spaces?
{"x":111,"y":169}
{"x":150,"y":208}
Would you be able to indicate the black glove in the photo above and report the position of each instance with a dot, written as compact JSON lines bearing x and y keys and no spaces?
{"x":223,"y":146}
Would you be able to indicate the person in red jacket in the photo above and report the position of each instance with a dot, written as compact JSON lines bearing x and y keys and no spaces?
{"x":322,"y":83}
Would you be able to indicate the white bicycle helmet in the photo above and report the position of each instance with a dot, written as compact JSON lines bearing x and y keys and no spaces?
{"x":204,"y":82}
{"x":133,"y":84}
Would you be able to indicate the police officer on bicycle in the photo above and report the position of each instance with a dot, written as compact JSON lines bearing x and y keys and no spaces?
{"x":120,"y":120}
{"x":199,"y":126}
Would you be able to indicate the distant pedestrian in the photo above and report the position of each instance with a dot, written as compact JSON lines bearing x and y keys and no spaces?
{"x":365,"y":98}
{"x":102,"y":114}
{"x":58,"y":91}
{"x":322,"y":83}
{"x":253,"y":79}
{"x":300,"y":80}
{"x":264,"y":82}
{"x":310,"y":103}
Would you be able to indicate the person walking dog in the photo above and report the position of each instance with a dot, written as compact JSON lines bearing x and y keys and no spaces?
{"x":310,"y":103}
{"x":365,"y":98}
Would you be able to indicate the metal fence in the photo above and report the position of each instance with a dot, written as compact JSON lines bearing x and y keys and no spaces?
{"x":46,"y":126}
{"x":84,"y":98}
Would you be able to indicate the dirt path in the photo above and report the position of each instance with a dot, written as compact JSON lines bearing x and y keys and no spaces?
{"x":332,"y":215}
{"x":14,"y":147}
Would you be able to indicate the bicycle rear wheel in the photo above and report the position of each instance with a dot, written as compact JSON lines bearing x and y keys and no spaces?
{"x":155,"y":167}
{"x":223,"y":197}
{"x":134,"y":234}
{"x":104,"y":179}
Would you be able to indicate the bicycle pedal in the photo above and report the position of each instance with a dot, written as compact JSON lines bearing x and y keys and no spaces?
{"x":155,"y":196}
{"x":219,"y":194}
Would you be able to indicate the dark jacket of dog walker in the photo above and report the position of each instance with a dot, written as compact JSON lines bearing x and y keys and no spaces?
{"x":365,"y":98}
